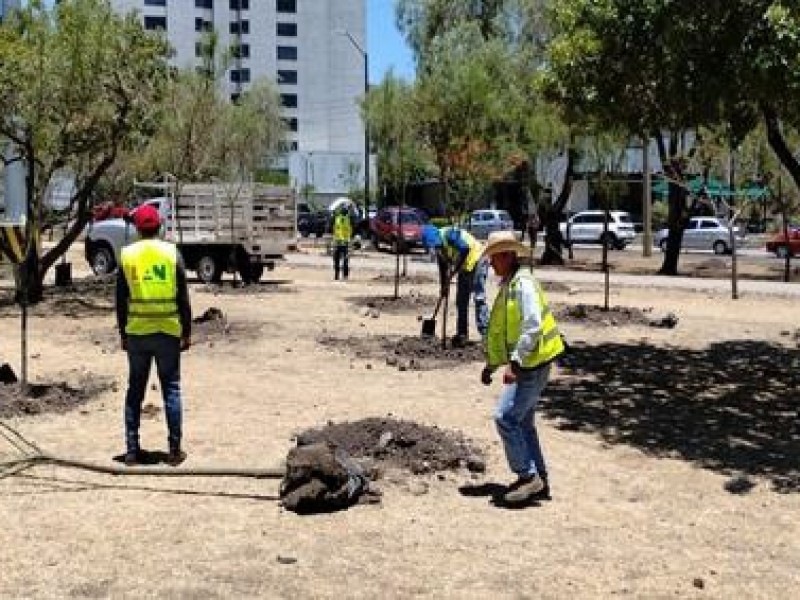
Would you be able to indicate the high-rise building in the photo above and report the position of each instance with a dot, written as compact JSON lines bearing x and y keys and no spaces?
{"x":301,"y":45}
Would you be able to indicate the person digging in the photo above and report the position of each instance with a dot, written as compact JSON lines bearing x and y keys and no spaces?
{"x":458,"y":254}
{"x":523,"y":338}
{"x":154,"y":318}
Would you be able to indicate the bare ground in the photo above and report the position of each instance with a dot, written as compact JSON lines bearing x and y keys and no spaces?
{"x":672,"y":454}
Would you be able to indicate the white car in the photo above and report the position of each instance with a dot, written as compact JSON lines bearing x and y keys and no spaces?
{"x":703,"y":233}
{"x":587,"y":226}
{"x":487,"y":221}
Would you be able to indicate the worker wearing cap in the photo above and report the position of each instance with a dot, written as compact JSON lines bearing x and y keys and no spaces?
{"x":459,"y":254}
{"x":154,"y":319}
{"x":523,"y":337}
{"x":342,"y":236}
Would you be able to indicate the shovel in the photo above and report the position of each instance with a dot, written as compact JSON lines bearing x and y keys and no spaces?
{"x":429,"y":324}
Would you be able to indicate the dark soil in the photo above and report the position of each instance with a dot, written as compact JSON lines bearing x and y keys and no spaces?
{"x":406,"y":280}
{"x":405,"y":353}
{"x":401,"y":444}
{"x":92,"y":296}
{"x":44,"y":398}
{"x":253,"y":289}
{"x":590,"y":314}
{"x":412,"y":301}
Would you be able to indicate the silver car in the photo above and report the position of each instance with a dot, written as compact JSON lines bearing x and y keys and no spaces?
{"x":486,"y":221}
{"x":703,"y":233}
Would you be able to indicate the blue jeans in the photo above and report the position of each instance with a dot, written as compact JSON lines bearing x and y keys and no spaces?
{"x":472,"y":283}
{"x":166,"y":350}
{"x":515,"y":420}
{"x":340,"y":255}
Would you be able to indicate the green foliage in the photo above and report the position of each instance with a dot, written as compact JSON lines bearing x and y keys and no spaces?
{"x":272,"y":177}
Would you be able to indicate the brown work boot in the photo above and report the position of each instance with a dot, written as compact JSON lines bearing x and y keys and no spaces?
{"x":131,"y":458}
{"x":175,"y":457}
{"x":524,"y":490}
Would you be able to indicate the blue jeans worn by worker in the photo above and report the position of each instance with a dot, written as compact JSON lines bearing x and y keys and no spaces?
{"x":515,"y":419}
{"x":341,"y":256}
{"x":472,"y":283}
{"x":166,"y":351}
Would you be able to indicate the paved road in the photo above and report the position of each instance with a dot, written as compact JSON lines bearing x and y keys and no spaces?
{"x":417,"y":263}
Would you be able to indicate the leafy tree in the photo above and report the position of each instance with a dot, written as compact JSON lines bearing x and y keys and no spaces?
{"x":78,"y":85}
{"x":657,"y":65}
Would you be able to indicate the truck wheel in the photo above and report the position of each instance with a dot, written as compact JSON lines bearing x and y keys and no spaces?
{"x":782,"y":251}
{"x":103,"y":261}
{"x":251,"y":273}
{"x":208,"y":269}
{"x":720,"y":247}
{"x":375,"y":242}
{"x":609,"y":239}
{"x":663,"y":245}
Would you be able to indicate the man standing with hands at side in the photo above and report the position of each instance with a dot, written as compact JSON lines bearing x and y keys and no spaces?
{"x":523,"y":337}
{"x":154,"y":319}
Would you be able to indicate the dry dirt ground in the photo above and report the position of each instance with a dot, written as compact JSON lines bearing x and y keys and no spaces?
{"x":673,"y":454}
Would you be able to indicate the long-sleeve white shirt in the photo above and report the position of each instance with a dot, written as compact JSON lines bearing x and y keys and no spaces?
{"x":528,"y":300}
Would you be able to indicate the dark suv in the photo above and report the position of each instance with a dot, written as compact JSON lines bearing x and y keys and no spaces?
{"x":311,"y":221}
{"x":401,"y":229}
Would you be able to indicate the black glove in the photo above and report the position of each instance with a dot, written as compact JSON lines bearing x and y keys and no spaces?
{"x":486,"y":376}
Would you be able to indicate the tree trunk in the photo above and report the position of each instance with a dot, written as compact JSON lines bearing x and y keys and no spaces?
{"x":676,"y":214}
{"x":553,"y":240}
{"x":778,"y":143}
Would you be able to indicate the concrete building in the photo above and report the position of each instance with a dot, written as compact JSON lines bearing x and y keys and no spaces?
{"x":300,"y":45}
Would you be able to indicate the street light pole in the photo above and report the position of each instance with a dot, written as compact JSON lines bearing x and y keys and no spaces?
{"x":365,"y":56}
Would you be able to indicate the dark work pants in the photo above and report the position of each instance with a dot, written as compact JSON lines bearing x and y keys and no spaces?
{"x":340,"y":255}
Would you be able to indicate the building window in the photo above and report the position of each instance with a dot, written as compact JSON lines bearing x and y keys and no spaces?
{"x":289,"y":100}
{"x":201,"y":24}
{"x":152,"y":23}
{"x":240,"y":75}
{"x":286,"y":6}
{"x":235,"y":98}
{"x":155,"y":2}
{"x":287,"y":77}
{"x":291,"y":124}
{"x":287,"y":53}
{"x":204,"y":3}
{"x":240,"y":27}
{"x":287,"y":29}
{"x":240,"y":4}
{"x":293,"y":146}
{"x":240,"y":51}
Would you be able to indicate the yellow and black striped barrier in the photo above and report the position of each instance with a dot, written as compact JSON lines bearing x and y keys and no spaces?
{"x":13,"y":241}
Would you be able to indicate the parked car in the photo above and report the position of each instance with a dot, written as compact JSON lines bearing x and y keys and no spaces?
{"x":401,"y":229}
{"x":311,"y":220}
{"x":587,"y":226}
{"x":703,"y":233}
{"x":483,"y":222}
{"x":781,"y":247}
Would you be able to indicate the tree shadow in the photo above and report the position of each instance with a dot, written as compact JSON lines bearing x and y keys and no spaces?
{"x":731,"y":407}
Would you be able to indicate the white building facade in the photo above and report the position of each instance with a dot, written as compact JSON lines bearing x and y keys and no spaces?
{"x":299,"y":44}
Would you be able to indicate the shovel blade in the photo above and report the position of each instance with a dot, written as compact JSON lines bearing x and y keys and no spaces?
{"x":429,"y":327}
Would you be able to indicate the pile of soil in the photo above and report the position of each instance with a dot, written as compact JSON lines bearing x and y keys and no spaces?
{"x":417,"y":279}
{"x":411,"y":302}
{"x":252,"y":289}
{"x":49,"y":397}
{"x":92,"y":296}
{"x":405,"y":353}
{"x":407,"y":445}
{"x":590,"y":314}
{"x":212,"y":325}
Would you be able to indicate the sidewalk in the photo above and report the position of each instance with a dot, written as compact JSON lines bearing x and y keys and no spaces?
{"x":420,"y":264}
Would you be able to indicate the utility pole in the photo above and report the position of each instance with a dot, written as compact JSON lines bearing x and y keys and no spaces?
{"x":647,"y":201}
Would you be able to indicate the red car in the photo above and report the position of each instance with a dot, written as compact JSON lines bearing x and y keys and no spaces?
{"x":401,"y":229}
{"x":780,"y":247}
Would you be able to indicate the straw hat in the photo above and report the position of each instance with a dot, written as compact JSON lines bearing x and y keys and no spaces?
{"x":504,"y":241}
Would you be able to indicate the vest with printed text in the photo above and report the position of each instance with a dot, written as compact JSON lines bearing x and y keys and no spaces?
{"x":150,"y":268}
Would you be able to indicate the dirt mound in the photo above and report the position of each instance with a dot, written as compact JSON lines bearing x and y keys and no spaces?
{"x":590,"y":314}
{"x":405,"y":353}
{"x":418,"y":279}
{"x":252,"y":289}
{"x":411,"y":302}
{"x":43,"y":398}
{"x":401,"y":444}
{"x":93,"y":296}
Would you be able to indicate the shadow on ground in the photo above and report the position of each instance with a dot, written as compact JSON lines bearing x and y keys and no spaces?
{"x":731,"y":407}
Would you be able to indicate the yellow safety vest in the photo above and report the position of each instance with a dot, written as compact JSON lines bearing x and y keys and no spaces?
{"x":151,"y":268}
{"x":505,"y":322}
{"x":475,"y":248}
{"x":342,"y":229}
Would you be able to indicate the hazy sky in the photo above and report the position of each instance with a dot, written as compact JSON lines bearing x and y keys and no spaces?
{"x":386,"y":46}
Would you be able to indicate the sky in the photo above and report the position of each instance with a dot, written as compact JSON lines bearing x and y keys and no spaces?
{"x":385,"y":46}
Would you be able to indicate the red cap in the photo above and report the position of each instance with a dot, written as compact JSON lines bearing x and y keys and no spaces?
{"x":146,"y":218}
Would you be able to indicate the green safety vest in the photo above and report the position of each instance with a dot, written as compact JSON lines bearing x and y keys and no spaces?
{"x":475,"y":249}
{"x":342,"y":229}
{"x":505,"y":322}
{"x":151,"y":269}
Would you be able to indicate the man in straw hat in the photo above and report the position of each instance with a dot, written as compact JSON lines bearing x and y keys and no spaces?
{"x":524,"y":338}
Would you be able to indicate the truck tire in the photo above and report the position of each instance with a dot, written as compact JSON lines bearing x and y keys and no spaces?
{"x":209,"y":269}
{"x":782,"y":251}
{"x":720,"y":247}
{"x":102,"y":260}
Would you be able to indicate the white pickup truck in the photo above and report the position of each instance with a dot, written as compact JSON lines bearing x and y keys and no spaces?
{"x":217,"y":229}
